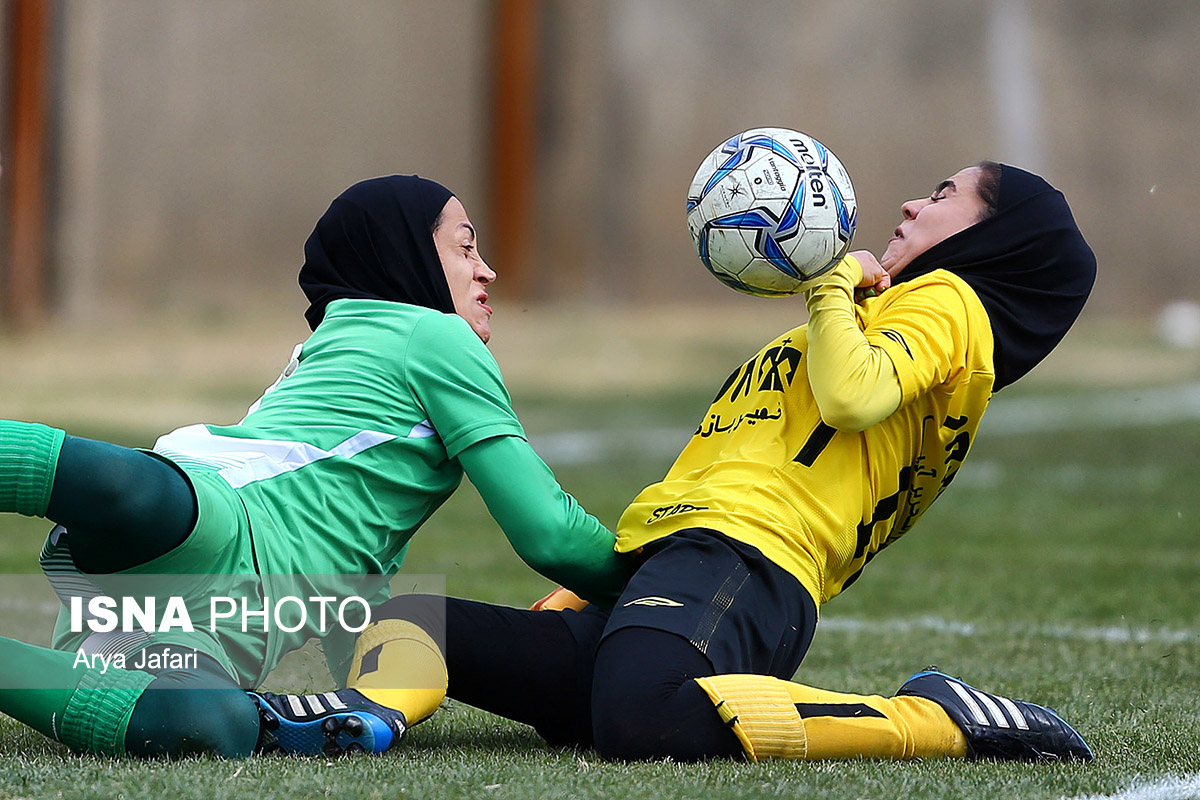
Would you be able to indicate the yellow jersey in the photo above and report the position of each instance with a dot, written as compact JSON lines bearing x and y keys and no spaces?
{"x":765,"y":469}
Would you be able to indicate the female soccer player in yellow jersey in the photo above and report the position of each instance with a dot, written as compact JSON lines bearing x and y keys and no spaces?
{"x":816,"y":454}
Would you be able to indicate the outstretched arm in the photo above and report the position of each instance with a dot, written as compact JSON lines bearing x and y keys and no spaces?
{"x":458,"y":385}
{"x":546,"y":526}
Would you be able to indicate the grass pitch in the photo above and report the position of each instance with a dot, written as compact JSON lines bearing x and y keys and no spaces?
{"x":1062,"y":567}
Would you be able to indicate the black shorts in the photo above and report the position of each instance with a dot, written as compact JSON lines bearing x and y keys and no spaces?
{"x":743,"y":612}
{"x":724,"y":607}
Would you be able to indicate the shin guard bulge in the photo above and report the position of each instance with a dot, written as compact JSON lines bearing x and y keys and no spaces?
{"x":398,"y":665}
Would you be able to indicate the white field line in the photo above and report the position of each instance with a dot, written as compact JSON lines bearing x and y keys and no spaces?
{"x":1184,"y":787}
{"x":25,"y":604}
{"x":1097,"y":633}
{"x":599,"y":446}
{"x":1099,"y":410}
{"x":1132,"y":634}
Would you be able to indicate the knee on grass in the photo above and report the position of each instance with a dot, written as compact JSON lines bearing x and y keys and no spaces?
{"x":647,"y":705}
{"x":172,"y":720}
{"x":681,"y":725}
{"x":665,"y":716}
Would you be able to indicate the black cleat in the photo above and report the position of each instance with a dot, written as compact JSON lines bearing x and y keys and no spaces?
{"x":331,"y":723}
{"x":996,"y":727}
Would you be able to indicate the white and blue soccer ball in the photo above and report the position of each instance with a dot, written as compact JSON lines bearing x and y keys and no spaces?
{"x":770,"y":211}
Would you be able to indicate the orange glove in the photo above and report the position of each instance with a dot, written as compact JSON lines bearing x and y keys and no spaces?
{"x":560,"y":600}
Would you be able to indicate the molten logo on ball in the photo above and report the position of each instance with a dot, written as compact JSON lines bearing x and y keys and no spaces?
{"x":770,"y":210}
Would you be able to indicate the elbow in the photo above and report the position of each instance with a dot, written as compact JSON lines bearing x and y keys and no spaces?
{"x":544,"y":560}
{"x":845,"y":414}
{"x":545,"y":552}
{"x":857,"y":404}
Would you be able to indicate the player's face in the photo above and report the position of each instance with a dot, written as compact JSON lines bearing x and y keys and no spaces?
{"x":955,"y":205}
{"x":466,"y":273}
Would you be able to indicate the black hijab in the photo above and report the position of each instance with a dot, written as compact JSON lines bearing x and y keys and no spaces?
{"x":375,"y":242}
{"x":1029,"y":265}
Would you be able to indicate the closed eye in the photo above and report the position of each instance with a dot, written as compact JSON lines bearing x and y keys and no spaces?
{"x":939,"y":193}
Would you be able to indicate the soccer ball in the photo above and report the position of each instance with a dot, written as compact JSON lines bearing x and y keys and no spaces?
{"x":770,"y":210}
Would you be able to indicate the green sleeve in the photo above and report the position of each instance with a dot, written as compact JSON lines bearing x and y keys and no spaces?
{"x":545,"y":525}
{"x":458,"y":384}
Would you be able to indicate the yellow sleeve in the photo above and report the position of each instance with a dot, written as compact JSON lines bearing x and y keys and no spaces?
{"x":930,"y":326}
{"x":854,"y":382}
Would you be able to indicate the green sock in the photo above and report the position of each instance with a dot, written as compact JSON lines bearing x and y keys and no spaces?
{"x":28,"y":458}
{"x":75,"y":704}
{"x":97,"y":715}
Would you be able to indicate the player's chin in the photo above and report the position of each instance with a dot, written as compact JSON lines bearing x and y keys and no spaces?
{"x":893,"y":264}
{"x":483,"y":329}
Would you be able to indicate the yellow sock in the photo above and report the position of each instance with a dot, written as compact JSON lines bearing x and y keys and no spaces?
{"x":781,"y":719}
{"x":844,"y":725}
{"x":398,"y":665}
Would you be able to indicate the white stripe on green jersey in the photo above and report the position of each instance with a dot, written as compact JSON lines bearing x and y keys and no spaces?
{"x":356,"y":444}
{"x":243,"y":461}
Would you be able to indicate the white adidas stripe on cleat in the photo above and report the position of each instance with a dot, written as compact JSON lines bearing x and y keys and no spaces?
{"x":997,"y":727}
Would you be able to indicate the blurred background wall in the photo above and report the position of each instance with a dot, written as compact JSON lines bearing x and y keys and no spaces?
{"x":192,"y":144}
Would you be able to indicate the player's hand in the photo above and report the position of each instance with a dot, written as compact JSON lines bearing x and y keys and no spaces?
{"x":559,"y":600}
{"x":875,"y":278}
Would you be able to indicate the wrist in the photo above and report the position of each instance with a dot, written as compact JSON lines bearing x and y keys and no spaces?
{"x":839,"y":281}
{"x":846,"y":274}
{"x":852,"y":269}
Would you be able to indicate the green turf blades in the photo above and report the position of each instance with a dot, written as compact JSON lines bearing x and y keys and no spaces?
{"x":1060,"y":566}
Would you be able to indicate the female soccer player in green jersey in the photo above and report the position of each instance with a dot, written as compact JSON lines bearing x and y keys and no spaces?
{"x":820,"y":451}
{"x":369,"y":429}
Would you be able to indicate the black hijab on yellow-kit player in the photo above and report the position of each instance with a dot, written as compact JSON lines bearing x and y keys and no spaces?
{"x":1029,"y":265}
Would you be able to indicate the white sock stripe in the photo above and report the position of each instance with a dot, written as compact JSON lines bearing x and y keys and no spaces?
{"x":972,"y":706}
{"x":314,"y":702}
{"x":991,"y":706}
{"x":297,"y":708}
{"x":334,"y":701}
{"x":1015,"y":712}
